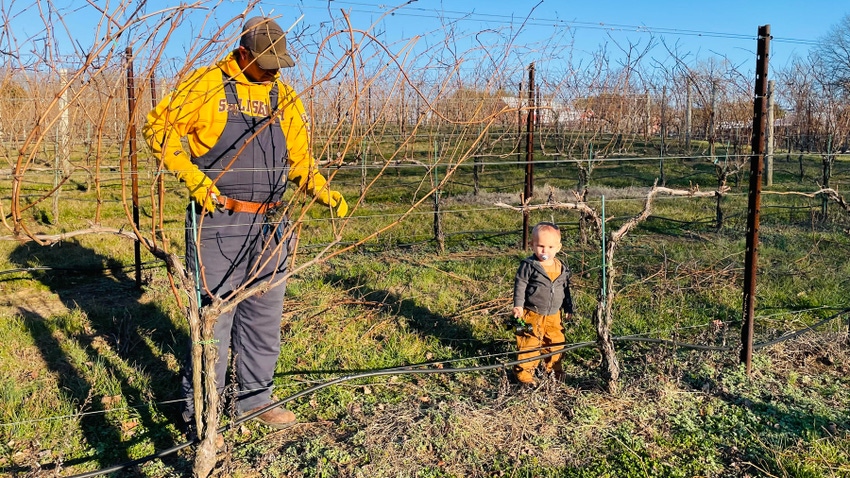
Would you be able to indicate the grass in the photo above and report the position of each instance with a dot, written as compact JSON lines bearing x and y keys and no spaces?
{"x":90,"y":365}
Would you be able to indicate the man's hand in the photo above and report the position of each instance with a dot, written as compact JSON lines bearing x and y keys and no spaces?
{"x":333,"y":199}
{"x":518,"y":312}
{"x":201,"y":188}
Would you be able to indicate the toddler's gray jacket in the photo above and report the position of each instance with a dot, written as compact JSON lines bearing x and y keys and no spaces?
{"x":534,"y":290}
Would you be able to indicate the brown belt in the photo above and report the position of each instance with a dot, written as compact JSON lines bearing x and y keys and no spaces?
{"x":236,"y":205}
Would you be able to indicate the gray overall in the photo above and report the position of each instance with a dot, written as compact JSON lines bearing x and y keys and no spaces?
{"x":233,"y":244}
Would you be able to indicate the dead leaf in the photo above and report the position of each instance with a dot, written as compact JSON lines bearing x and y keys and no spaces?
{"x":110,"y":401}
{"x":129,"y":425}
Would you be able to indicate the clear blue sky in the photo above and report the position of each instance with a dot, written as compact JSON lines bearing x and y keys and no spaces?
{"x":724,"y":28}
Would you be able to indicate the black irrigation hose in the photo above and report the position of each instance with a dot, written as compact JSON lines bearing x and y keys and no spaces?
{"x":800,"y":332}
{"x":374,"y":373}
{"x":712,"y":348}
{"x":301,"y":372}
{"x":410,"y":370}
{"x":624,"y":338}
{"x":675,"y":344}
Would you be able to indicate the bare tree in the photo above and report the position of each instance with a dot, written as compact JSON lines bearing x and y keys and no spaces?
{"x":832,"y":54}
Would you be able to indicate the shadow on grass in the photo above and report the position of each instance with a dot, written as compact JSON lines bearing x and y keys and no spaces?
{"x":450,"y":333}
{"x":768,"y":424}
{"x":138,"y":333}
{"x":454,"y":335}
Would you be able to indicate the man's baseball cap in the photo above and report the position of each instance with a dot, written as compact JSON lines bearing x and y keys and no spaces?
{"x":264,"y":38}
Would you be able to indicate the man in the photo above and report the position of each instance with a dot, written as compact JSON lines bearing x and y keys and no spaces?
{"x":247,"y":133}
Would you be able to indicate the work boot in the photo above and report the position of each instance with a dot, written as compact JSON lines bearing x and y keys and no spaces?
{"x":277,"y":417}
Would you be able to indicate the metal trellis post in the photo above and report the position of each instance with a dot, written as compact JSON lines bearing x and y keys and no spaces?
{"x":529,"y":155}
{"x":134,"y":164}
{"x":754,"y":199}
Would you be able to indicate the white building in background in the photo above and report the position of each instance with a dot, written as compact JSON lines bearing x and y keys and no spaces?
{"x":551,"y":112}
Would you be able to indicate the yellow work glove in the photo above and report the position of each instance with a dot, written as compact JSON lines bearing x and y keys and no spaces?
{"x":316,"y":185}
{"x":201,"y":188}
{"x":333,"y":199}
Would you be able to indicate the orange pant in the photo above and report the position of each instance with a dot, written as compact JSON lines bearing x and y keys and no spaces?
{"x":547,"y":330}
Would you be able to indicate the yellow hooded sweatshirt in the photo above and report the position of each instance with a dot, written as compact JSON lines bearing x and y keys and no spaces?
{"x":193,"y":110}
